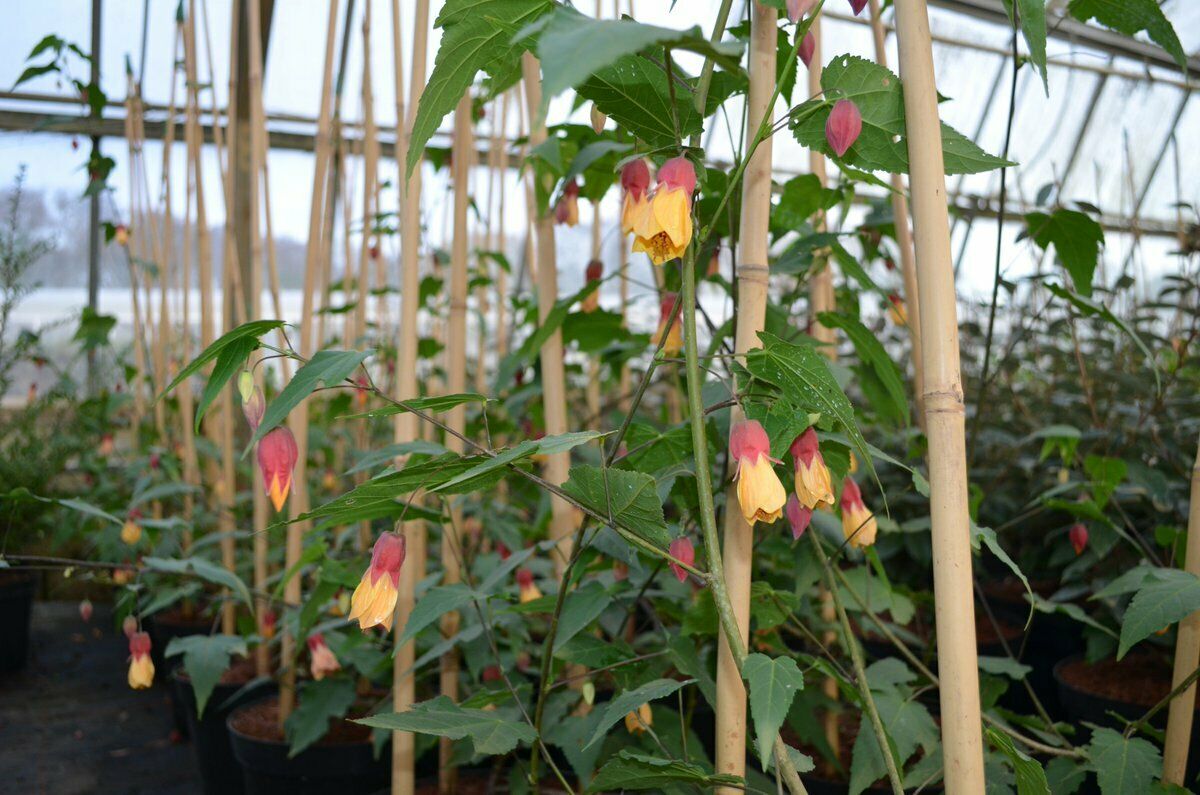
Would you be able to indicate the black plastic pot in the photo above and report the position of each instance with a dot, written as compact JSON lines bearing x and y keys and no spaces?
{"x":16,"y":606}
{"x":345,"y":769}
{"x":219,"y":770}
{"x":163,"y":629}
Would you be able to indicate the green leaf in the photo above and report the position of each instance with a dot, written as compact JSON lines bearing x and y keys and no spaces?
{"x":634,"y":500}
{"x":1106,"y":474}
{"x":987,"y":536}
{"x":876,"y":359}
{"x":1123,"y":766}
{"x":205,"y":570}
{"x":908,"y":726}
{"x":94,"y":328}
{"x":1089,"y":308}
{"x":802,"y":196}
{"x":380,"y":496}
{"x":1168,"y":596}
{"x":205,"y":658}
{"x":573,"y":47}
{"x":433,"y":605}
{"x":1032,"y":18}
{"x":630,"y":700}
{"x":490,"y":733}
{"x":634,"y":771}
{"x":547,"y":445}
{"x":476,"y":36}
{"x":319,"y":703}
{"x":633,"y":92}
{"x":252,"y":330}
{"x":230,"y":361}
{"x":773,"y":684}
{"x":1031,"y":778}
{"x":1076,"y":239}
{"x":1004,"y":666}
{"x":1130,"y":17}
{"x":327,"y":367}
{"x":593,"y":652}
{"x":882,"y":145}
{"x":803,"y":376}
{"x":581,"y":607}
{"x":434,"y":404}
{"x":1064,"y":775}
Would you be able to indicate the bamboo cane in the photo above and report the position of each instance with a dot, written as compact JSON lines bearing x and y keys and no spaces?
{"x":139,"y":351}
{"x":944,"y":412}
{"x":501,"y":243}
{"x":753,"y":278}
{"x":1187,"y":655}
{"x":298,"y":419}
{"x":403,"y":682}
{"x":554,"y":407}
{"x":821,"y":299}
{"x":908,"y":265}
{"x":456,"y":377}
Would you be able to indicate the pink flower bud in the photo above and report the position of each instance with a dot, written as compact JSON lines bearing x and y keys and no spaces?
{"x":594,"y":271}
{"x":635,"y":178}
{"x":277,"y":454}
{"x":843,"y":126}
{"x":129,"y":626}
{"x":254,"y":407}
{"x":797,"y":515}
{"x":678,"y":172}
{"x":748,"y":441}
{"x":796,"y":9}
{"x":807,"y":48}
{"x":85,"y":610}
{"x":1079,"y":538}
{"x":857,"y":6}
{"x":681,"y":549}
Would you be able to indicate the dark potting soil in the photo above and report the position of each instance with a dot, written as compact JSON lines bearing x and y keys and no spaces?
{"x":241,"y":672}
{"x":1142,"y":679}
{"x":69,"y":724}
{"x":261,"y":721}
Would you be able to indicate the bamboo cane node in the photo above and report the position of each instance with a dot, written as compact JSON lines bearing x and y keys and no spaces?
{"x":944,"y":401}
{"x":752,"y":272}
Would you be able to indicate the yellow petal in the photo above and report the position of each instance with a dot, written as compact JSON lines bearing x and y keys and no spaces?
{"x":141,"y":672}
{"x":859,"y":526}
{"x":673,"y":215}
{"x":278,"y":491}
{"x":813,"y":484}
{"x":760,"y":492}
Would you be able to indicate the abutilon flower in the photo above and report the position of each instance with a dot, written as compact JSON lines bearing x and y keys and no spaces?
{"x":277,"y":456}
{"x":808,"y":47}
{"x":813,"y":484}
{"x":269,"y":621}
{"x":798,"y":8}
{"x":797,"y":515}
{"x":620,"y":571}
{"x":526,"y":587}
{"x":896,"y":310}
{"x":1079,"y":537}
{"x":760,"y":493}
{"x":85,"y":610}
{"x":857,"y":6}
{"x":662,"y":227}
{"x":254,"y":405}
{"x":322,"y":660}
{"x":141,"y":667}
{"x":593,"y":273}
{"x":673,"y":343}
{"x":858,"y":523}
{"x":107,"y":445}
{"x":374,"y":600}
{"x":121,"y":235}
{"x":843,"y":126}
{"x":637,"y":722}
{"x":129,"y":626}
{"x":122,"y":575}
{"x":131,"y":532}
{"x":502,"y":551}
{"x":681,"y":549}
{"x":635,"y":181}
{"x":598,"y":119}
{"x":491,"y":673}
{"x":361,"y":390}
{"x":566,"y":211}
{"x":329,"y":480}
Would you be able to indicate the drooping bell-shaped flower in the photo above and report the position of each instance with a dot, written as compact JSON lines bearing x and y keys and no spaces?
{"x":681,"y":549}
{"x":813,"y":484}
{"x":277,"y":456}
{"x":808,"y":47}
{"x":635,"y":181}
{"x":85,"y":610}
{"x":760,"y":492}
{"x":141,"y":667}
{"x":598,"y":119}
{"x":796,"y":9}
{"x":843,"y":126}
{"x":896,"y":310}
{"x":637,"y":722}
{"x":797,"y":515}
{"x":662,"y":227}
{"x":566,"y":211}
{"x":526,"y":587}
{"x":321,"y":658}
{"x":131,"y":531}
{"x":1079,"y":537}
{"x":858,"y":523}
{"x":121,"y":235}
{"x":593,"y":273}
{"x":669,"y":334}
{"x":268,"y":621}
{"x":374,"y":600}
{"x":857,"y":6}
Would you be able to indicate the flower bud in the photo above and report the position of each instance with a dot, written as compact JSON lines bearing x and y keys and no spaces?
{"x":1079,"y":537}
{"x":245,"y":385}
{"x":808,"y":47}
{"x":253,"y":407}
{"x":681,"y":549}
{"x":796,"y":9}
{"x":843,"y":126}
{"x":131,"y":532}
{"x":857,"y":6}
{"x":129,"y":626}
{"x":798,"y":516}
{"x":598,"y":119}
{"x":85,"y":610}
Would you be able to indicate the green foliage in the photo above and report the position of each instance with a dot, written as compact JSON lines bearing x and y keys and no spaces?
{"x":1165,"y":597}
{"x":1123,"y":766}
{"x":221,"y":349}
{"x":1031,"y":778}
{"x":1131,"y":17}
{"x":1076,"y":239}
{"x":327,"y":367}
{"x":318,"y":704}
{"x":205,"y":658}
{"x":773,"y":683}
{"x":630,"y":499}
{"x":630,"y":700}
{"x":490,"y":732}
{"x":205,"y":570}
{"x":634,"y":772}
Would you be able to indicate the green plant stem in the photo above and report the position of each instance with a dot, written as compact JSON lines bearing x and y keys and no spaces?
{"x":706,"y":73}
{"x":860,"y":671}
{"x":708,"y":517}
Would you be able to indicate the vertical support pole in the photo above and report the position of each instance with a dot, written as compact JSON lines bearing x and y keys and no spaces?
{"x":554,"y":406}
{"x":962,"y":741}
{"x":94,"y":200}
{"x":406,"y":430}
{"x":908,"y":264}
{"x":753,"y":278}
{"x":1187,"y":655}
